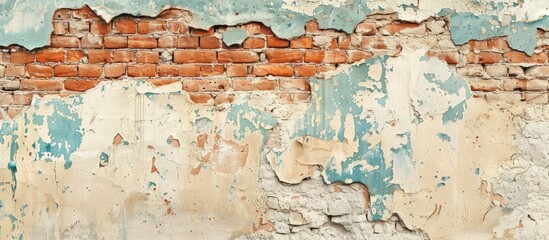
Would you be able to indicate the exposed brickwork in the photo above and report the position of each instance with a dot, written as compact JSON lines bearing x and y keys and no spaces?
{"x":85,"y":50}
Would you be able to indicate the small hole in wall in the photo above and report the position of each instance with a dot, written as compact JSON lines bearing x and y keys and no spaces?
{"x":337,"y":65}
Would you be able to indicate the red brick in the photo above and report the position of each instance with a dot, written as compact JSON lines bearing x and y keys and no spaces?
{"x":74,"y":56}
{"x":212,"y":85}
{"x":99,"y":56}
{"x":189,"y":71}
{"x":39,"y":71}
{"x":115,"y":70}
{"x":100,"y":27}
{"x":194,"y":56}
{"x":366,"y":28}
{"x":125,"y":25}
{"x":14,"y":111}
{"x":145,"y":70}
{"x":304,"y":42}
{"x":305,"y":71}
{"x":50,"y":55}
{"x":283,"y":56}
{"x":321,"y":69}
{"x":295,"y":97}
{"x":211,"y":70}
{"x":160,"y":82}
{"x":123,"y":56}
{"x":344,"y":43}
{"x":295,"y":84}
{"x":355,"y":56}
{"x":148,"y":57}
{"x":142,"y":42}
{"x":178,"y":27}
{"x":520,"y":57}
{"x":90,"y":71}
{"x":333,"y":44}
{"x":311,"y":27}
{"x":209,"y":42}
{"x":489,"y":57}
{"x":92,"y":41}
{"x":242,"y":56}
{"x":187,"y":42}
{"x":22,"y":57}
{"x":254,"y":85}
{"x":200,"y":97}
{"x":200,"y":32}
{"x":5,"y":57}
{"x":65,"y":71}
{"x":2,"y":71}
{"x":253,"y":43}
{"x":6,"y":99}
{"x":165,"y":70}
{"x":167,"y":42}
{"x":237,"y":71}
{"x":60,"y":28}
{"x":497,"y":44}
{"x":222,"y":99}
{"x":266,"y":30}
{"x":274,"y":42}
{"x":273,"y":69}
{"x":319,"y":56}
{"x":115,"y":42}
{"x":80,"y":85}
{"x":41,"y":85}
{"x":252,"y":28}
{"x":64,"y":42}
{"x":451,"y":58}
{"x":151,"y":26}
{"x":79,"y":27}
{"x":22,"y":98}
{"x":15,"y":71}
{"x":395,"y":28}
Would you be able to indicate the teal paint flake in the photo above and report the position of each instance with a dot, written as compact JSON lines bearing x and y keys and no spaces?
{"x":103,"y":159}
{"x":249,"y":119}
{"x":454,"y":113}
{"x":444,"y":137}
{"x":520,"y":35}
{"x":334,"y":95}
{"x":284,"y":23}
{"x":64,"y":130}
{"x":234,"y":36}
{"x":453,"y":85}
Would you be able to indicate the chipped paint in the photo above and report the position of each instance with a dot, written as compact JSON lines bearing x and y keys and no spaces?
{"x":286,"y":18}
{"x":395,"y":140}
{"x":234,"y":36}
{"x":73,"y":164}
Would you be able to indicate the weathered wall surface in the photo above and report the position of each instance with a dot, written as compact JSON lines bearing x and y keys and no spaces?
{"x":274,"y":119}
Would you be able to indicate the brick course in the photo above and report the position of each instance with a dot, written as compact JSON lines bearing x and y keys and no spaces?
{"x":85,"y":50}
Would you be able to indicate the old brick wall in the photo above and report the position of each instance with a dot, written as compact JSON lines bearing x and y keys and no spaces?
{"x":85,"y":50}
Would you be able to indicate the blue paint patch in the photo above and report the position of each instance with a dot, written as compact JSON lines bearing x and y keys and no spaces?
{"x":249,"y":119}
{"x":521,"y":35}
{"x":444,"y":137}
{"x":103,"y":159}
{"x":284,"y":23}
{"x":234,"y":36}
{"x":454,"y":113}
{"x":64,"y":131}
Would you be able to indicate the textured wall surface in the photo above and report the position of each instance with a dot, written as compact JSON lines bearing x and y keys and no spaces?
{"x":274,"y":119}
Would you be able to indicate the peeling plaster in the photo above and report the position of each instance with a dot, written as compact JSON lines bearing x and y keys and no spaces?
{"x":23,"y":21}
{"x":72,"y":168}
